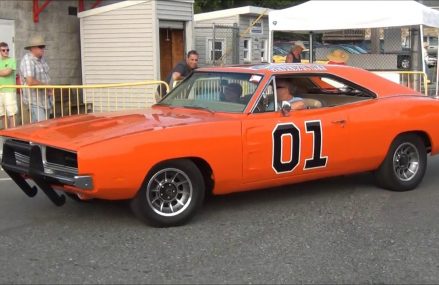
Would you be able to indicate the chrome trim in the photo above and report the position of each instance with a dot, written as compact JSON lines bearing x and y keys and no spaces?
{"x":84,"y":182}
{"x":65,"y":174}
{"x":48,"y":166}
{"x":61,"y":168}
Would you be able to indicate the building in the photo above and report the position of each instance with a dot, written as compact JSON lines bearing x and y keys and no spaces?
{"x":134,"y":40}
{"x":232,"y":36}
{"x":57,"y":22}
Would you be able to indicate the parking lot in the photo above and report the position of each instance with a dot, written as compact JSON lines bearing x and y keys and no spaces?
{"x":338,"y":230}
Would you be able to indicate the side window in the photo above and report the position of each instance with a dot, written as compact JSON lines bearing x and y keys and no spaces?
{"x":328,"y":91}
{"x":266,"y":101}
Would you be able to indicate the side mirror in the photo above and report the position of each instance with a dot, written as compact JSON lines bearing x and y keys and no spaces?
{"x":285,"y":108}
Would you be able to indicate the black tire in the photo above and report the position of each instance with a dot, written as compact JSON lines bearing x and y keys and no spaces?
{"x":171,"y":194}
{"x":404,"y":165}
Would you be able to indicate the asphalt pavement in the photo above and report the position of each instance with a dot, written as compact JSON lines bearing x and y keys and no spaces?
{"x":338,"y":230}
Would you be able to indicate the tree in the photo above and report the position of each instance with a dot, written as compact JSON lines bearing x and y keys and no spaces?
{"x":201,"y":6}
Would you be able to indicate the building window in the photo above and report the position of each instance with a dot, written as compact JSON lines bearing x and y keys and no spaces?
{"x":216,"y":51}
{"x":247,"y":50}
{"x":264,"y":48}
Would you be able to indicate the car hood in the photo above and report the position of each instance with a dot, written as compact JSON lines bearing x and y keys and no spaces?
{"x":77,"y":131}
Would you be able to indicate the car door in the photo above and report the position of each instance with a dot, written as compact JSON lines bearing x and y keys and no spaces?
{"x":309,"y":142}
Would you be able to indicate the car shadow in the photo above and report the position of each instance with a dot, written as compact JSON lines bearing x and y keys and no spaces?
{"x":305,"y":191}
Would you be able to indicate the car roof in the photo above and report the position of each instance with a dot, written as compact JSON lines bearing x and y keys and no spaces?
{"x":373,"y":82}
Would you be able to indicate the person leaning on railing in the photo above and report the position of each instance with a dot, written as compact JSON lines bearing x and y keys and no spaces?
{"x":183,"y":68}
{"x":8,"y":98}
{"x":35,"y":71}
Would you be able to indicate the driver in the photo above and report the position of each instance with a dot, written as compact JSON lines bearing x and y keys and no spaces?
{"x":284,"y":93}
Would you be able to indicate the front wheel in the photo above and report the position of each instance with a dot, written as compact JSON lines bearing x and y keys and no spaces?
{"x":171,"y":194}
{"x":405,"y":164}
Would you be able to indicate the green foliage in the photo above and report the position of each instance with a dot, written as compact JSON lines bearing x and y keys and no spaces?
{"x":201,"y":6}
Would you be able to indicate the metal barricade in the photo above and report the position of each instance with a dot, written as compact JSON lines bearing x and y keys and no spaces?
{"x":65,"y":100}
{"x":416,"y":80}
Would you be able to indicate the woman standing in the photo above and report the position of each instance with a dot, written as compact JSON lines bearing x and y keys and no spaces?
{"x":296,"y":50}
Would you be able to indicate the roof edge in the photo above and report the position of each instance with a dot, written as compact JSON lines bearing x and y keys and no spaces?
{"x":109,"y":7}
{"x":119,"y":5}
{"x":231,"y":12}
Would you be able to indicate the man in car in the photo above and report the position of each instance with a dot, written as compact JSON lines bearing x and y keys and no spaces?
{"x":232,"y":93}
{"x":284,"y":93}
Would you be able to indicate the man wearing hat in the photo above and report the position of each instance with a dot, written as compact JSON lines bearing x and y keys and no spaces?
{"x":294,"y":55}
{"x":338,"y":56}
{"x":35,"y":71}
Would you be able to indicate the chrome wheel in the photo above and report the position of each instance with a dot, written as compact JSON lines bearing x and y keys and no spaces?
{"x":169,"y":192}
{"x":404,"y":165}
{"x":406,"y":161}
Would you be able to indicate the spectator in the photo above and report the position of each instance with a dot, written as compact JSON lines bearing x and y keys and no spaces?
{"x":338,"y":56}
{"x":35,"y":71}
{"x":8,"y":97}
{"x":183,"y":68}
{"x":232,"y":93}
{"x":426,"y":59}
{"x":294,"y":55}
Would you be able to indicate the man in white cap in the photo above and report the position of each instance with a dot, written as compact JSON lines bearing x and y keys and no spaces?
{"x":35,"y":71}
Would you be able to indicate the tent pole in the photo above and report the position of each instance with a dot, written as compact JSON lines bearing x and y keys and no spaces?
{"x":270,"y":47}
{"x":437,"y":69}
{"x":421,"y":40}
{"x":311,"y":47}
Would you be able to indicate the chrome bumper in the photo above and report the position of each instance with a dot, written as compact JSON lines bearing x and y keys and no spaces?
{"x":22,"y":160}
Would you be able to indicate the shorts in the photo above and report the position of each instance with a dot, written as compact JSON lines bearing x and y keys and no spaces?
{"x":8,"y":103}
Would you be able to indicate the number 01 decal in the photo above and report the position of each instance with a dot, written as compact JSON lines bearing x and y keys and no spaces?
{"x":291,"y":130}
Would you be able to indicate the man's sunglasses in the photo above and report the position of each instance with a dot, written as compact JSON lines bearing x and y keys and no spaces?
{"x":5,"y":50}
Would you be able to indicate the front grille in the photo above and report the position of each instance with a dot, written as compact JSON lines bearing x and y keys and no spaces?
{"x":55,"y":161}
{"x":61,"y":157}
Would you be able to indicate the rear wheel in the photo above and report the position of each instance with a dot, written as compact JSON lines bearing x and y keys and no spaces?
{"x":405,"y":164}
{"x":171,"y":194}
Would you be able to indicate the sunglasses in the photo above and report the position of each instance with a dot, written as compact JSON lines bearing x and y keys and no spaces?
{"x":5,"y":50}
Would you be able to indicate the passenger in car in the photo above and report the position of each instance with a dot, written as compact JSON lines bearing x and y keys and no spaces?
{"x":232,"y":93}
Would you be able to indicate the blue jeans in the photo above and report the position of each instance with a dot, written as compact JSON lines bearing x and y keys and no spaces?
{"x":38,"y":113}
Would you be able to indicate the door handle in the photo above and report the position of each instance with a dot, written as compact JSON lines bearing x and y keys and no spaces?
{"x":341,"y":122}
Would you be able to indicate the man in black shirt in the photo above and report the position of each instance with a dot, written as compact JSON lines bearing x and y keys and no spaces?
{"x":183,"y":68}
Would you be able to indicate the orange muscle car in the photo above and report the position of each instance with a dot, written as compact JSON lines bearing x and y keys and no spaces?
{"x":225,"y":130}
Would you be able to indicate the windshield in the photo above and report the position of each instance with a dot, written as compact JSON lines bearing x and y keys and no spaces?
{"x":214,"y":91}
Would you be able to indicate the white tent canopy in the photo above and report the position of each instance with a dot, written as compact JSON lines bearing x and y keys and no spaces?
{"x":320,"y":16}
{"x":340,"y":15}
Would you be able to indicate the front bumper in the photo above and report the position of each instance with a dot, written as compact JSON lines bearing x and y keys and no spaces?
{"x":23,"y":160}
